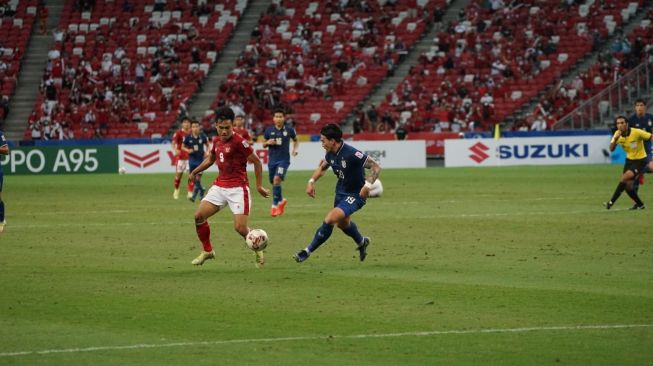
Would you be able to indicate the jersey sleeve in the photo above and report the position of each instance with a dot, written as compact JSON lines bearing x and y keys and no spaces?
{"x":358,"y":157}
{"x":266,"y":134}
{"x":245,"y":148}
{"x":3,"y":140}
{"x":644,"y":135}
{"x":187,"y":141}
{"x":292,"y":133}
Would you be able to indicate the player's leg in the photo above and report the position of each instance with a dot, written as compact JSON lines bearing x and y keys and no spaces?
{"x":272,"y":168}
{"x":2,"y":207}
{"x":279,"y":177}
{"x":627,"y":176}
{"x":637,"y":170}
{"x":240,"y":203}
{"x":349,"y":227}
{"x":198,"y":190}
{"x":207,"y":208}
{"x":322,"y":234}
{"x":179,"y":170}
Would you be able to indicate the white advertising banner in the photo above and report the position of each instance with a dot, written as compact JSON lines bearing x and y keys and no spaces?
{"x":158,"y":158}
{"x":527,"y":151}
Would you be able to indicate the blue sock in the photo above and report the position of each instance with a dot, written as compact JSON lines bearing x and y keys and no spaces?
{"x":321,"y":235}
{"x":2,"y":211}
{"x":197,"y":190}
{"x":353,"y":232}
{"x":276,"y":195}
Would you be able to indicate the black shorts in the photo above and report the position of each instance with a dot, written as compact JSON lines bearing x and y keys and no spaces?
{"x":636,"y":166}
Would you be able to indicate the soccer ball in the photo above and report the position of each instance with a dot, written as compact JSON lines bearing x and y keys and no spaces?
{"x":122,"y":170}
{"x":257,"y":239}
{"x":377,"y":189}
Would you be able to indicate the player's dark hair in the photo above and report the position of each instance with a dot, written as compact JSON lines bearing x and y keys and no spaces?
{"x":194,"y":122}
{"x":224,"y":113}
{"x":620,"y":117}
{"x":640,"y":100}
{"x":279,"y":110}
{"x":332,"y":132}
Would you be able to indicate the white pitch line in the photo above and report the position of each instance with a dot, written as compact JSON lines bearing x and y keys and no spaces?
{"x":330,"y":337}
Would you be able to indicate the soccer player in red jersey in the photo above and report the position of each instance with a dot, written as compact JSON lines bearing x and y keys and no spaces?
{"x":181,"y":157}
{"x":239,"y":128}
{"x":231,"y":153}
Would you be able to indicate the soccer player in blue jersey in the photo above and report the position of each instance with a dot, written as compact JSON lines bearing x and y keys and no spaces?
{"x":644,"y":121}
{"x":277,"y":140}
{"x":352,"y":189}
{"x":4,"y":150}
{"x":196,"y":144}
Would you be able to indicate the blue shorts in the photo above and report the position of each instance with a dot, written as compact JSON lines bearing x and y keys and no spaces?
{"x":278,"y":169}
{"x":349,"y":203}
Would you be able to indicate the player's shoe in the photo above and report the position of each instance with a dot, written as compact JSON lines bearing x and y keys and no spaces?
{"x":301,"y":256}
{"x":189,"y":195}
{"x":274,"y":211}
{"x":362,"y":248}
{"x":2,"y":226}
{"x":281,"y":206}
{"x":259,"y":259}
{"x":203,"y":257}
{"x":608,"y":204}
{"x":175,"y":194}
{"x":638,"y":207}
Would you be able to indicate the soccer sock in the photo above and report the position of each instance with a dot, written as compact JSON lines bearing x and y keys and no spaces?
{"x":321,"y":235}
{"x":2,"y":211}
{"x":636,"y":185}
{"x":633,"y":194}
{"x":191,"y":185}
{"x":353,"y":232}
{"x":177,"y":181}
{"x":197,"y":189}
{"x":617,"y":192}
{"x":204,"y":234}
{"x":276,"y":195}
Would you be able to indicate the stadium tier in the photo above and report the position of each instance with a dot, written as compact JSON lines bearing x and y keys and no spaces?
{"x":16,"y":19}
{"x":122,"y":69}
{"x":320,"y":59}
{"x":493,"y":60}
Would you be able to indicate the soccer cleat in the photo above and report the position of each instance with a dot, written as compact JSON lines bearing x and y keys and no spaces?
{"x":301,"y":256}
{"x":608,"y":204}
{"x":175,"y":194}
{"x":203,"y":257}
{"x":638,"y":207}
{"x":362,"y":248}
{"x":259,"y":258}
{"x":189,"y":195}
{"x":2,"y":226}
{"x":274,"y":211}
{"x":281,"y":206}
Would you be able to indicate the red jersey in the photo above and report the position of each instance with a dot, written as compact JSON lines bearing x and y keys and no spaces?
{"x":243,"y":132}
{"x":231,"y":158}
{"x":178,"y":140}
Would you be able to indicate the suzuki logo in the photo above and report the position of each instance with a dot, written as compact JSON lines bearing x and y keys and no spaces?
{"x":478,"y":152}
{"x":141,"y":161}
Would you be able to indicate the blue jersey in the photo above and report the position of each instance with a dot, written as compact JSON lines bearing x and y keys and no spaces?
{"x":196,"y":145}
{"x":645,"y":123}
{"x":348,"y":165}
{"x":281,"y":151}
{"x":3,"y":142}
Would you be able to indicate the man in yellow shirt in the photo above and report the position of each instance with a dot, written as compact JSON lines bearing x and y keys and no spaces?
{"x":632,"y":141}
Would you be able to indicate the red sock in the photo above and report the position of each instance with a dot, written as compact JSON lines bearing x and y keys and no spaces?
{"x":191,"y":185}
{"x":204,"y":234}
{"x":177,"y":181}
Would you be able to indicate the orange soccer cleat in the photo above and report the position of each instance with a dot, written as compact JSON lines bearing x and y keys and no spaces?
{"x":274,"y":211}
{"x":281,"y":206}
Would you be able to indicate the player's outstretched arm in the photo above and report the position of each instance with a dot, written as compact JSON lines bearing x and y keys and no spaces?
{"x":317,"y":174}
{"x":375,"y":170}
{"x":613,"y":142}
{"x":208,"y":161}
{"x":258,"y":173}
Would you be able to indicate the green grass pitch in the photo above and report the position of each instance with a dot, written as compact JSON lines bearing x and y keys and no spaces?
{"x":95,"y":270}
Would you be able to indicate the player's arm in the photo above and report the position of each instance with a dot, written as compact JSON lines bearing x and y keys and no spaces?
{"x":267,"y":141}
{"x":258,"y":173}
{"x":4,"y":149}
{"x":208,"y":161}
{"x":186,"y":147}
{"x":174,"y":147}
{"x":615,"y":138}
{"x":295,"y":146}
{"x":317,"y":174}
{"x":375,"y":170}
